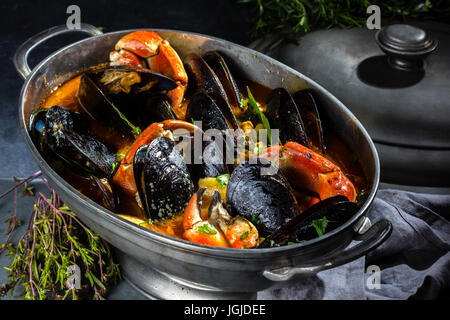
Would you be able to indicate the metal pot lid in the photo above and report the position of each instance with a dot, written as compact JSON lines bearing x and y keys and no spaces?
{"x":395,"y":80}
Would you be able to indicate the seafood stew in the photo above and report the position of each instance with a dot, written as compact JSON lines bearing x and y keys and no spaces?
{"x":118,"y":133}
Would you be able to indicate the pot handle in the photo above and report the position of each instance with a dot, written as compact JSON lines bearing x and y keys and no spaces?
{"x":21,"y":56}
{"x":369,"y":240}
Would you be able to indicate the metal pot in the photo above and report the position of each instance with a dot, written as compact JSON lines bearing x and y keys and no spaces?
{"x":165,"y":267}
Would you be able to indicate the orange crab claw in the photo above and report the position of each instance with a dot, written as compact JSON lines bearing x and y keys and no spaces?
{"x":308,"y":170}
{"x":220,"y":229}
{"x":161,"y":58}
{"x":124,"y":176}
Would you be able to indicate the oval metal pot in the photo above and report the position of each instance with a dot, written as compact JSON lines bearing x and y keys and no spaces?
{"x":165,"y":267}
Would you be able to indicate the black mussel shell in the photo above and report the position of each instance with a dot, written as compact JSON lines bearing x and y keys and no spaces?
{"x":115,"y":95}
{"x":108,"y":196}
{"x":211,"y":162}
{"x":283,"y":113}
{"x":309,"y":111}
{"x":266,"y":200}
{"x":337,"y":210}
{"x":218,"y":64}
{"x":203,"y":107}
{"x":65,"y":137}
{"x":203,"y":79}
{"x":36,"y":128}
{"x":162,"y":178}
{"x":148,"y":108}
{"x":114,"y":80}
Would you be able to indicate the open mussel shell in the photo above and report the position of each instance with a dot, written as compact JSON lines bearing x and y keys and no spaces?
{"x":282,"y":112}
{"x":210,"y":162}
{"x":108,"y":196}
{"x":149,"y":108}
{"x":203,"y":79}
{"x":114,"y":95}
{"x":204,"y":108}
{"x":337,"y":210}
{"x":162,"y":178}
{"x":66,"y":138}
{"x":309,"y":111}
{"x":264,"y":199}
{"x":218,"y":64}
{"x":36,"y":128}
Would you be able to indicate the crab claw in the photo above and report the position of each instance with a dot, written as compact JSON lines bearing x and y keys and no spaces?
{"x":124,"y":176}
{"x":220,"y":229}
{"x":310,"y":171}
{"x":134,"y":47}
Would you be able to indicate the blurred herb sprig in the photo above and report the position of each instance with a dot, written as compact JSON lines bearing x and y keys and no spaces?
{"x":305,"y":15}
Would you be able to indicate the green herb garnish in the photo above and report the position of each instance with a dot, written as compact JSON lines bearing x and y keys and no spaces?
{"x":207,"y":229}
{"x":254,"y":218}
{"x":223,"y":179}
{"x":114,"y":166}
{"x":120,"y":156}
{"x":257,"y":149}
{"x":256,"y":114}
{"x":244,"y":235}
{"x":135,"y":130}
{"x":320,"y":225}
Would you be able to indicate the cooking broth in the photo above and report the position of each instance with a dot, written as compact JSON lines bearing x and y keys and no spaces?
{"x":66,"y":96}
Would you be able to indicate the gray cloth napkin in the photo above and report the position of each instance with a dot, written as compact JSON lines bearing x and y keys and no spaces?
{"x":414,"y":262}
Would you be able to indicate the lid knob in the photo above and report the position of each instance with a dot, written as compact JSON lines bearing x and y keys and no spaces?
{"x":405,"y":45}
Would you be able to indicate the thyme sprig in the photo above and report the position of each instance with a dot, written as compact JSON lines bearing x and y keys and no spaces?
{"x":55,"y":240}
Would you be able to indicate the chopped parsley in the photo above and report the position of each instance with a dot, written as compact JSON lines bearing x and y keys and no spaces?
{"x":254,"y":218}
{"x":244,"y":235}
{"x":257,"y":149}
{"x":223,"y":179}
{"x":207,"y":229}
{"x":120,"y":156}
{"x":320,"y":225}
{"x":114,"y":166}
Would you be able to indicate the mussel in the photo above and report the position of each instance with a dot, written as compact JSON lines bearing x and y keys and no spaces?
{"x":65,"y":136}
{"x":62,"y":134}
{"x":217,"y":63}
{"x":162,"y":178}
{"x":203,"y":79}
{"x":335,"y":211}
{"x":125,"y":97}
{"x":265,"y":199}
{"x":297,"y":117}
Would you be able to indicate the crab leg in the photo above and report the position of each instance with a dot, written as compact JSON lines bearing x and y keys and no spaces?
{"x":160,"y":56}
{"x":220,"y":229}
{"x":308,"y":170}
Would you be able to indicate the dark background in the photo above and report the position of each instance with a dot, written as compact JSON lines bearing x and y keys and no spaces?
{"x":20,"y":20}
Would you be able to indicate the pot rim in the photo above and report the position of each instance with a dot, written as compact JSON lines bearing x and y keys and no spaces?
{"x":182,"y":244}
